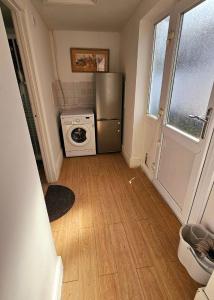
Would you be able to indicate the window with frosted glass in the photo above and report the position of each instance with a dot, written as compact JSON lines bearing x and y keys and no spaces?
{"x":159,"y":51}
{"x":194,"y":69}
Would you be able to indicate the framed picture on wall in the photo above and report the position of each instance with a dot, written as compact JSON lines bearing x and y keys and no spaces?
{"x":89,"y":60}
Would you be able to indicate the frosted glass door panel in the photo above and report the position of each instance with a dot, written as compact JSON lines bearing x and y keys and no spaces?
{"x":159,"y":51}
{"x":194,"y":71}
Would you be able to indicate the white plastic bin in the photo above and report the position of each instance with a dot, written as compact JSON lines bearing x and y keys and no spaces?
{"x":197,"y":268}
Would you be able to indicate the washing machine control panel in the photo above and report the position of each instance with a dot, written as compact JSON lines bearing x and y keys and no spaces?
{"x":75,"y":120}
{"x":82,"y":120}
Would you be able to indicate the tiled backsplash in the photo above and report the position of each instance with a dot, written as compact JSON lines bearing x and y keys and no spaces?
{"x":74,"y":94}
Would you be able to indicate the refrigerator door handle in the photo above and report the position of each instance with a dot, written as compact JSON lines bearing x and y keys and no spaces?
{"x":102,"y":119}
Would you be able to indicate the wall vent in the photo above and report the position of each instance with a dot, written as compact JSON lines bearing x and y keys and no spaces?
{"x":70,"y":2}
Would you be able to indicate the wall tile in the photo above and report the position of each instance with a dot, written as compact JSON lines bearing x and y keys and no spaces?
{"x":70,"y":95}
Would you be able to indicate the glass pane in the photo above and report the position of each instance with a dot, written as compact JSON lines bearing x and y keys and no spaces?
{"x":78,"y":135}
{"x":160,"y":40}
{"x":194,"y":73}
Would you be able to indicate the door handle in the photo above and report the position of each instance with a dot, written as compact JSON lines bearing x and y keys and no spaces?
{"x":205,"y":121}
{"x":199,"y":118}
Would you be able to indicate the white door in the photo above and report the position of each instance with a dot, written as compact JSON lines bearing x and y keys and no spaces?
{"x":188,"y":101}
{"x":207,"y":218}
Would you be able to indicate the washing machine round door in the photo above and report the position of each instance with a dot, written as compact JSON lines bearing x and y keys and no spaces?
{"x":79,"y":135}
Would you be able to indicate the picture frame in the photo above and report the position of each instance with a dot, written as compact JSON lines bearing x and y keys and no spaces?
{"x":90,"y":60}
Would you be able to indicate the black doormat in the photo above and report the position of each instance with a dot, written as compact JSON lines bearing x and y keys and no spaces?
{"x":59,"y":200}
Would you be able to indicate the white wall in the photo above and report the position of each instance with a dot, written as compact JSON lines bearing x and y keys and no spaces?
{"x":79,"y":88}
{"x":28,"y":260}
{"x":38,"y":35}
{"x":129,"y":54}
{"x":64,"y":40}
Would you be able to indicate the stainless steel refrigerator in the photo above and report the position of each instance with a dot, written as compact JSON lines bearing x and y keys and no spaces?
{"x":109,"y":112}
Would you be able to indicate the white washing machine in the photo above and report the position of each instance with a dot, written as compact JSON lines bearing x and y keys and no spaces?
{"x":78,"y":132}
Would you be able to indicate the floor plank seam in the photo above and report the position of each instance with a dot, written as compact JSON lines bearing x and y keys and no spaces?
{"x":69,"y":281}
{"x":108,"y":274}
{"x":130,"y":248}
{"x":146,"y":267}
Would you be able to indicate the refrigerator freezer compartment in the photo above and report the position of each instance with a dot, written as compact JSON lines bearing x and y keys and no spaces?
{"x":108,"y":136}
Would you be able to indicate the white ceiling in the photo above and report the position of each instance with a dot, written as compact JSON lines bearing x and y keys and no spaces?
{"x":106,"y":15}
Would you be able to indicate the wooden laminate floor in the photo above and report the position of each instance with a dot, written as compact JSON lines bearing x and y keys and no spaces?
{"x":120,"y":239}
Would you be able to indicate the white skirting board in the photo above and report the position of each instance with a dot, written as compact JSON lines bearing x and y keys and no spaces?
{"x":133,"y":162}
{"x":58,"y":165}
{"x":54,"y":168}
{"x":58,"y":280}
{"x":147,"y":171}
